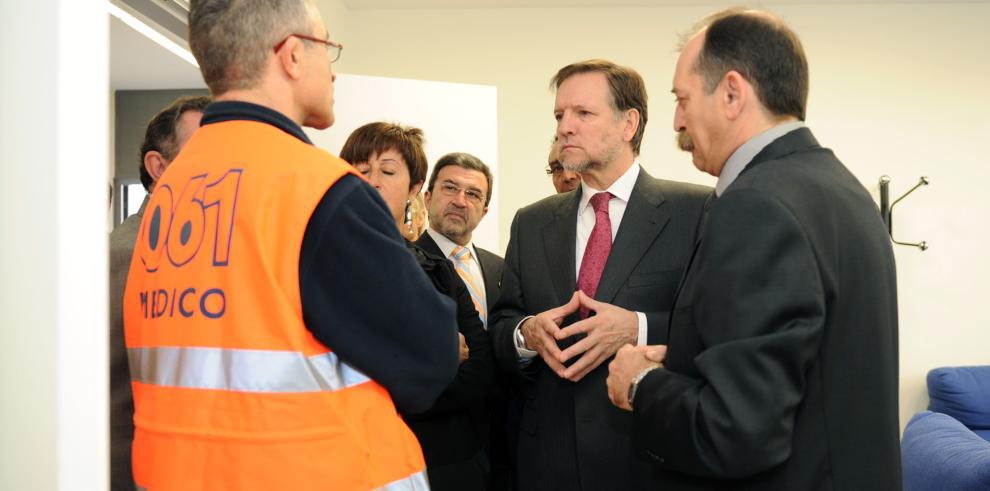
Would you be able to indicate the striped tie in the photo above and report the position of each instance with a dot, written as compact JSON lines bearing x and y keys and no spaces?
{"x":461,"y":256}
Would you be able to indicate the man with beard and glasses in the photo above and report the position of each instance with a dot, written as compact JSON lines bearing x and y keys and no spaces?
{"x":780,"y":368}
{"x":587,"y":272}
{"x":564,"y":180}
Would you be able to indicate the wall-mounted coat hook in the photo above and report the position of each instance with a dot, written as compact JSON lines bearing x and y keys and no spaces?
{"x":887,"y":211}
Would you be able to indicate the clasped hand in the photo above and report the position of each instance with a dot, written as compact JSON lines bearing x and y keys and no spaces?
{"x":629,"y":362}
{"x":609,"y":329}
{"x":462,"y":352}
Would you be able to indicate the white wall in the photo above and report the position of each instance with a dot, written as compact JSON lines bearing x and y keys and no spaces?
{"x":53,"y":261}
{"x":896,"y":89}
{"x":438,"y":106}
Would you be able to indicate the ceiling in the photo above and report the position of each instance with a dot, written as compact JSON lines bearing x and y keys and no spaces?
{"x":473,"y":4}
{"x":138,"y":63}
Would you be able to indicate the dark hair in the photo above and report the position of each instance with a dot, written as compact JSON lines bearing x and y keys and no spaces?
{"x":764,"y":51}
{"x":626,"y":87}
{"x":376,"y":138}
{"x":160,"y":135}
{"x":231,"y":39}
{"x":466,"y":161}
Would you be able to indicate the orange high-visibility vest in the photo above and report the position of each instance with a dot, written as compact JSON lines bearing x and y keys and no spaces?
{"x":231,"y":391}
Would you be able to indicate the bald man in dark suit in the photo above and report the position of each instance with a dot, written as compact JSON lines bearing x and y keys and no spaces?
{"x":780,"y":369}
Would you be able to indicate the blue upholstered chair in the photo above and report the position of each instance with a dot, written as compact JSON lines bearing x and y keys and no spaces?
{"x":948,"y":447}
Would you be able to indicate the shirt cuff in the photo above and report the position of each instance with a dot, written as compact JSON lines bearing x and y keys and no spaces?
{"x":525,"y":354}
{"x":641,"y":341}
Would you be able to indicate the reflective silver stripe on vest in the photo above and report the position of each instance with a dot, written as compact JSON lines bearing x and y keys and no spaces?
{"x":415,"y":482}
{"x":241,"y":370}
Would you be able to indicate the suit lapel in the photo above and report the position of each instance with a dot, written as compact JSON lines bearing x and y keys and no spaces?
{"x":643,"y":220}
{"x":429,"y":245}
{"x":703,"y":221}
{"x":797,"y":140}
{"x":558,"y":246}
{"x":487,"y":274}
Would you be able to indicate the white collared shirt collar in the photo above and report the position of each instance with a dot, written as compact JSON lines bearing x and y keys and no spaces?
{"x":622,"y":187}
{"x":446,"y":245}
{"x":747,"y":151}
{"x":474,"y":264}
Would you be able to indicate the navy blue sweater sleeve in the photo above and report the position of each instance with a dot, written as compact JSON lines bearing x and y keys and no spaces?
{"x":365,"y":297}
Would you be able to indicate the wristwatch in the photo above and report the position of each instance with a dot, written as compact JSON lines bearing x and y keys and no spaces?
{"x":520,"y":340}
{"x":635,"y":384}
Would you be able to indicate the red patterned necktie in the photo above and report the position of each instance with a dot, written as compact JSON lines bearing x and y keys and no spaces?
{"x":597,"y":249}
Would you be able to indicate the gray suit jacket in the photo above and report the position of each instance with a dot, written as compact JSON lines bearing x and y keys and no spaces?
{"x":571,"y":436}
{"x":121,"y":400}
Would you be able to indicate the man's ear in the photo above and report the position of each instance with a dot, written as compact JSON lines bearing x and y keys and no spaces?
{"x":290,"y":56}
{"x":155,"y":163}
{"x":632,"y":122}
{"x":414,"y":190}
{"x":735,"y":94}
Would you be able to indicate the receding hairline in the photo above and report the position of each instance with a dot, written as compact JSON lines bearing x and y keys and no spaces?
{"x":699,"y":27}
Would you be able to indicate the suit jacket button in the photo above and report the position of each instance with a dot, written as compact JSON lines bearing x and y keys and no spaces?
{"x":655,"y":457}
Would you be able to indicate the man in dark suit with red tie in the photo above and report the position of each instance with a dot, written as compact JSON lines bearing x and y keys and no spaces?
{"x":780,"y":368}
{"x":586,"y":272}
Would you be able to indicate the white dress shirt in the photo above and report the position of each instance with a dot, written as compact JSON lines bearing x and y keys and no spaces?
{"x":621,"y":189}
{"x":474,"y":266}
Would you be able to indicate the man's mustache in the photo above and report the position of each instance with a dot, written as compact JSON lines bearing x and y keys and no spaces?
{"x":684,"y":142}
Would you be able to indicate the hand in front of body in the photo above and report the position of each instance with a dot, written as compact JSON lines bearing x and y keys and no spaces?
{"x":540,"y":333}
{"x":463,"y":352}
{"x":608,"y":330}
{"x":630,"y":362}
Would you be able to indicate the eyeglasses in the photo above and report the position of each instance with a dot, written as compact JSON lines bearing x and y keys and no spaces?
{"x":333,"y":48}
{"x":554,"y":168}
{"x":451,"y":190}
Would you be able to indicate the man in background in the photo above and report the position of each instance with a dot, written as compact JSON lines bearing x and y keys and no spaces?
{"x":457,"y":198}
{"x":260,"y":352}
{"x":563,"y":179}
{"x":780,"y":370}
{"x":560,"y":269}
{"x":167,"y":133}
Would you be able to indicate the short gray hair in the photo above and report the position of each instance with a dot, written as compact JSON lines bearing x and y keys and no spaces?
{"x":231,"y":39}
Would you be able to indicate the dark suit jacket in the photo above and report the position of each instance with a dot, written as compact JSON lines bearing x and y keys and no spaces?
{"x":571,"y":436}
{"x":453,"y":432}
{"x":503,"y":418}
{"x":491,"y":267}
{"x":781,"y":370}
{"x":121,"y":243}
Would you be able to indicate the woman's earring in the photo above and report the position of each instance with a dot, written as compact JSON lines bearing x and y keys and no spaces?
{"x":409,"y":213}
